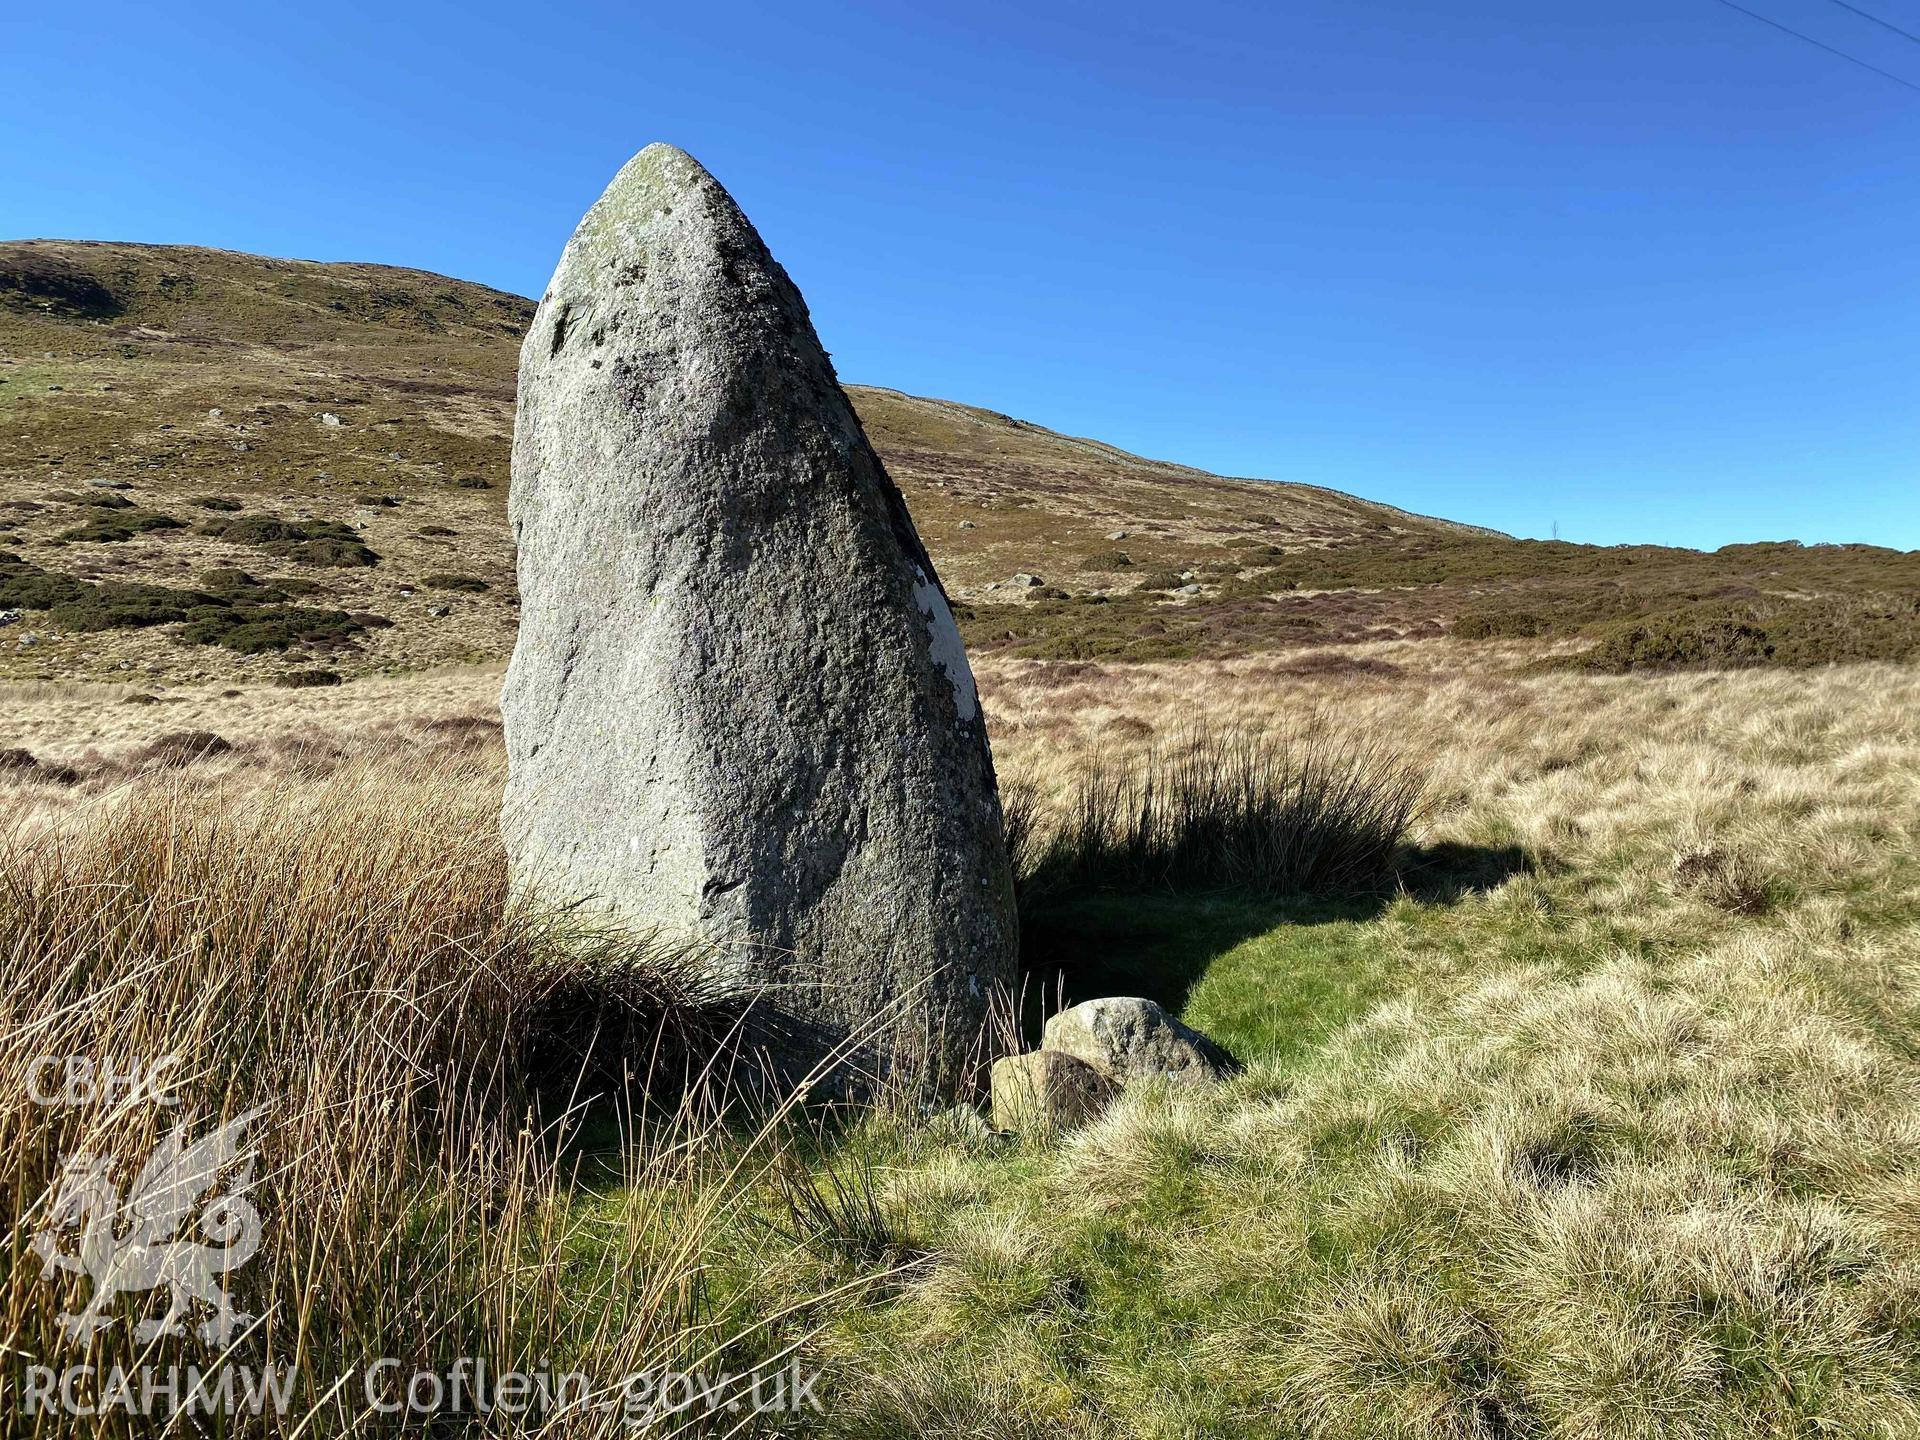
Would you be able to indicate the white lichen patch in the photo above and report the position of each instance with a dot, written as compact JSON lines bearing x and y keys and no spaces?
{"x":943,"y":643}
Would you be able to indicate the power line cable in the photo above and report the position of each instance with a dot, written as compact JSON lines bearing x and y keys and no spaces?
{"x":1883,"y":24}
{"x":1822,"y":45}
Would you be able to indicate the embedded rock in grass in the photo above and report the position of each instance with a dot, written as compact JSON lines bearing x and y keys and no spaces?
{"x":1047,"y":1090}
{"x":739,"y":714}
{"x":961,"y":1125}
{"x":1127,"y":1039}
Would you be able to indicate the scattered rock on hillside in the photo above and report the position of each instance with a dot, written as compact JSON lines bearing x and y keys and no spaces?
{"x":739,"y":714}
{"x":1024,"y":581}
{"x":1126,"y":1038}
{"x":1047,"y":1090}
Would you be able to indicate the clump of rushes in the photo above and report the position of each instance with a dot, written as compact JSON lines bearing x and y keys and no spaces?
{"x":1300,"y":812}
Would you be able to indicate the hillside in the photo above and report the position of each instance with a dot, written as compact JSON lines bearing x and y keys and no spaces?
{"x":215,"y":465}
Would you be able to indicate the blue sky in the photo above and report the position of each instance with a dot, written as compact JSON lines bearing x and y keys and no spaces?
{"x":1641,"y":270}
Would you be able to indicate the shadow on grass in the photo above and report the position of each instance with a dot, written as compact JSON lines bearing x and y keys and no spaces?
{"x":1155,"y":943}
{"x":1161,"y":943}
{"x":1444,"y":874}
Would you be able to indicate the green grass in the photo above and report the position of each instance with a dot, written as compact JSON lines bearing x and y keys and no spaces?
{"x":1196,"y":1269}
{"x":1267,"y":978}
{"x":1093,"y":1317}
{"x":1595,"y":1121}
{"x":1279,"y":994}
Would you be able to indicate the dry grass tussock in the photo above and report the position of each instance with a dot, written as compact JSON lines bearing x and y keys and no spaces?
{"x":338,"y":958}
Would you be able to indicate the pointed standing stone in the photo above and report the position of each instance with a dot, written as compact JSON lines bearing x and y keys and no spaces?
{"x":739,"y":713}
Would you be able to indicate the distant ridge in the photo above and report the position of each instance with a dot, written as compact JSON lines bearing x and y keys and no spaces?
{"x":225,"y":465}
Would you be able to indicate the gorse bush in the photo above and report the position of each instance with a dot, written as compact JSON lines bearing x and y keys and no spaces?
{"x":112,"y":526}
{"x":311,"y":542}
{"x":1306,"y":812}
{"x":467,"y":584}
{"x":260,"y":629}
{"x":1796,"y":633}
{"x":234,"y":611}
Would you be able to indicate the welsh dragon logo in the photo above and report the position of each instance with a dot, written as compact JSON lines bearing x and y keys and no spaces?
{"x":133,"y":1245}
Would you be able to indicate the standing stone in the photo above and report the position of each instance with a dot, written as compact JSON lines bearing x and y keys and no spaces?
{"x":739,"y":715}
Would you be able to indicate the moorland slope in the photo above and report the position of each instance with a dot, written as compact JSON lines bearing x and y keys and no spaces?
{"x":217,"y":466}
